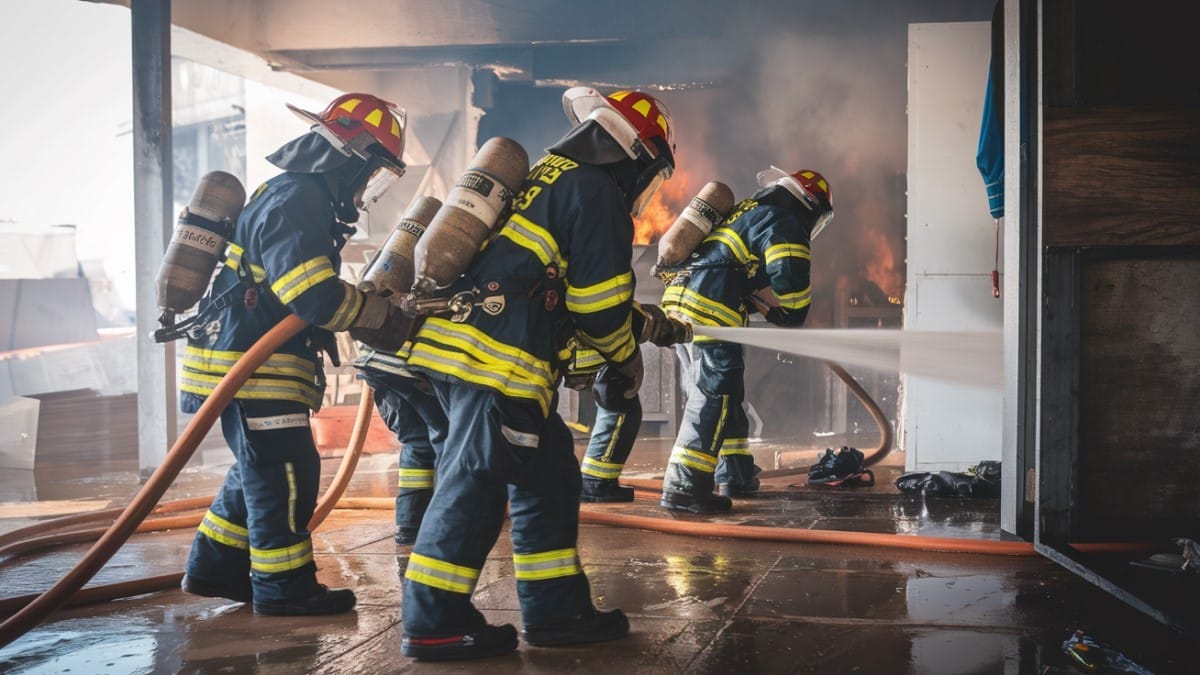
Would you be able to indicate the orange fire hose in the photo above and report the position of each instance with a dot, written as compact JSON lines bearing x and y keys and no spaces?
{"x":126,"y":589}
{"x":332,"y":499}
{"x":84,"y":518}
{"x":143,"y":502}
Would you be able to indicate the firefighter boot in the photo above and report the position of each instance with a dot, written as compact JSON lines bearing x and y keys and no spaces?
{"x":323,"y":601}
{"x":704,"y":503}
{"x":591,"y":625}
{"x":481,"y":642}
{"x":604,"y":491}
{"x":195,"y":586}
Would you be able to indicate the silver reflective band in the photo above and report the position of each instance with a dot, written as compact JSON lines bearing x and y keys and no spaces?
{"x":277,"y":422}
{"x":520,"y":438}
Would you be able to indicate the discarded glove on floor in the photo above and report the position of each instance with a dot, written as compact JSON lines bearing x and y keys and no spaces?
{"x":981,"y":480}
{"x":841,"y":469}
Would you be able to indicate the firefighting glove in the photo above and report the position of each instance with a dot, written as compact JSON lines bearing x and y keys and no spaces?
{"x":617,"y":386}
{"x":660,"y":329}
{"x":380,"y":324}
{"x":781,"y":317}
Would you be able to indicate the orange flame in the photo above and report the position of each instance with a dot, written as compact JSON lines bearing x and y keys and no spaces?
{"x":880,"y":264}
{"x":663,"y":208}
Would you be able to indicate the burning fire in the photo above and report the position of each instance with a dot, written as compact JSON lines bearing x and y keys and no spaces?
{"x":663,"y":208}
{"x":880,"y":264}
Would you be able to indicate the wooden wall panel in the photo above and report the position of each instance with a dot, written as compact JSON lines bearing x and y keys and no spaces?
{"x":1139,"y":437}
{"x":1121,"y":176}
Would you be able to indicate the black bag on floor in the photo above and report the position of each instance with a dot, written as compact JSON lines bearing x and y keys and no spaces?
{"x":841,"y":469}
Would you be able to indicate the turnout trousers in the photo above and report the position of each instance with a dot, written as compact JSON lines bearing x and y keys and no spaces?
{"x":612,"y":439}
{"x":497,"y":451}
{"x":411,"y":410}
{"x":258,"y":522}
{"x":712,"y":446}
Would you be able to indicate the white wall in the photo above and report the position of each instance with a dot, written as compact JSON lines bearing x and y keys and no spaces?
{"x":951,"y":243}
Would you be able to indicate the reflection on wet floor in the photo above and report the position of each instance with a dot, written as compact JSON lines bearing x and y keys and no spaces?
{"x":697,"y":604}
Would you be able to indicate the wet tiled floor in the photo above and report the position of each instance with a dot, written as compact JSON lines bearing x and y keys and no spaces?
{"x":696,"y":604}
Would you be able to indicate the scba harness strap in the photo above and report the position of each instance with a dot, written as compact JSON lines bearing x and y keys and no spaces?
{"x":491,"y":297}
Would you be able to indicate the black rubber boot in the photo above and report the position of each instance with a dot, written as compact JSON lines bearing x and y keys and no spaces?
{"x":750,"y":489}
{"x":323,"y":601}
{"x":699,"y":503}
{"x":604,"y":491}
{"x":406,"y":535}
{"x":590,"y":626}
{"x":210,"y":590}
{"x":479,"y":643}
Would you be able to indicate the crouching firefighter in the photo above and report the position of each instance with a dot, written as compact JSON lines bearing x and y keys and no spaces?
{"x":283,"y":257}
{"x":757,"y":259}
{"x":558,"y":267}
{"x":618,"y":419}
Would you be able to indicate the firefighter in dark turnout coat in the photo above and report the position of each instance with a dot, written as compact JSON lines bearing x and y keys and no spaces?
{"x":558,"y":270}
{"x":759,"y":255}
{"x":283,"y":257}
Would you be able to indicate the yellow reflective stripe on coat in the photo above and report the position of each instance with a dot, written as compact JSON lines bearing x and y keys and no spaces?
{"x":602,"y":470}
{"x":731,"y":240}
{"x":233,"y":260}
{"x":546,"y":565}
{"x":619,"y":344}
{"x":254,"y":388}
{"x":220,"y":530}
{"x":219,"y":362}
{"x":440,"y":574}
{"x":286,"y":559}
{"x":347,"y":311}
{"x":303,"y":277}
{"x":586,"y":360}
{"x":494,"y":376}
{"x":536,"y":239}
{"x":693,"y":458}
{"x":599,"y":297}
{"x":735,"y":446}
{"x":415,"y":479}
{"x":780,"y":251}
{"x":796,"y":300}
{"x":467,"y":353}
{"x":700,"y":309}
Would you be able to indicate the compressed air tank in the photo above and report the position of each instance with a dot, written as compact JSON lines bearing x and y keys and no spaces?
{"x":474,"y":206}
{"x":391,"y":270}
{"x":706,"y":210}
{"x":199,"y":241}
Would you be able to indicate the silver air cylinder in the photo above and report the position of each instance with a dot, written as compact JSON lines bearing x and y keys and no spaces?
{"x":706,"y":210}
{"x":473,"y":208}
{"x":391,"y":270}
{"x":199,"y":241}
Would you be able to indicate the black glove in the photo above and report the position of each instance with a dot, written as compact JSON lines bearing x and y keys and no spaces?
{"x":660,"y":329}
{"x":785,"y":318}
{"x":579,"y":381}
{"x":617,"y":386}
{"x":381,"y":325}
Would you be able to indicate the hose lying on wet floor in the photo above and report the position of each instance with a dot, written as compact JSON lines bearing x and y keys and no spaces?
{"x":34,"y":608}
{"x":143,"y":502}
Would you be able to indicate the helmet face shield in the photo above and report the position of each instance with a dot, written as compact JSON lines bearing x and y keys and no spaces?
{"x":640,"y":202}
{"x":822,"y":221}
{"x":381,"y":179}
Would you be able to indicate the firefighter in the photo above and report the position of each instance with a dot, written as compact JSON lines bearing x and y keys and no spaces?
{"x":558,"y":268}
{"x":618,"y":419}
{"x":758,"y":259}
{"x":284,"y":257}
{"x":408,"y":407}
